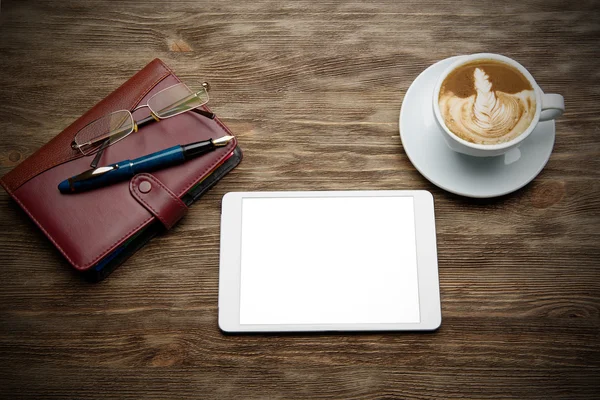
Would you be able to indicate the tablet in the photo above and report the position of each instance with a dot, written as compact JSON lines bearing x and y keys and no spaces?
{"x":328,"y":261}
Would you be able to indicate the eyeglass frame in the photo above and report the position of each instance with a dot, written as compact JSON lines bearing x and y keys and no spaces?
{"x":137,"y":124}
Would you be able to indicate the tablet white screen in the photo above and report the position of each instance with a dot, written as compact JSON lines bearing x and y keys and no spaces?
{"x":323,"y":260}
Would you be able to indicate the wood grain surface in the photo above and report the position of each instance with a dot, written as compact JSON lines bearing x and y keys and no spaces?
{"x":313,"y":91}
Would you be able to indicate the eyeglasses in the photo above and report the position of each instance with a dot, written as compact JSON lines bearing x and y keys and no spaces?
{"x":111,"y":128}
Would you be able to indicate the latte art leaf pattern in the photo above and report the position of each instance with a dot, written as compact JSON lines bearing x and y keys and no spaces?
{"x":491,"y":113}
{"x":488,"y":116}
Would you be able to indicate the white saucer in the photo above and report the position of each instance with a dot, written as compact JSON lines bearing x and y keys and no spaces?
{"x":459,"y":173}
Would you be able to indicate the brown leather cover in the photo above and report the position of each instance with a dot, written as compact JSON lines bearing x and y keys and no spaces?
{"x":85,"y":227}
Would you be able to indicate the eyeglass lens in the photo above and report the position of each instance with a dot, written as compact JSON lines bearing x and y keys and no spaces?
{"x":112,"y":127}
{"x":175,"y":100}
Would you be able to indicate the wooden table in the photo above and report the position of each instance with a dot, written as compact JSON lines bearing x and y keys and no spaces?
{"x":313,"y":91}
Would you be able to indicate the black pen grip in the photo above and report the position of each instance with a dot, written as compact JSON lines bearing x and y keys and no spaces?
{"x":197,"y":149}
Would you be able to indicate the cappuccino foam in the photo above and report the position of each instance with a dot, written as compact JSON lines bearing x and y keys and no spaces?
{"x":487,"y":102}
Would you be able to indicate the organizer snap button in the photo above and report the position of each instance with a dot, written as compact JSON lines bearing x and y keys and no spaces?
{"x":145,"y":186}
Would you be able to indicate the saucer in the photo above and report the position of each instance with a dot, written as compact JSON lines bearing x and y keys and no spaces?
{"x":480,"y":177}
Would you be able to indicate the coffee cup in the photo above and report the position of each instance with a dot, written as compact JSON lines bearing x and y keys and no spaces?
{"x":487,"y":104}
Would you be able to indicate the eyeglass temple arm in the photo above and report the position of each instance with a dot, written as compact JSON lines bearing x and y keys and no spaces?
{"x":150,"y":118}
{"x":96,"y":159}
{"x":204,"y":113}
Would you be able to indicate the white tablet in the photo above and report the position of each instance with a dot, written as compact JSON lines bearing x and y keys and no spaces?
{"x":328,"y":261}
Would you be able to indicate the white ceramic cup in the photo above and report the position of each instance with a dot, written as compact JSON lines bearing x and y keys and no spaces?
{"x":548,"y":106}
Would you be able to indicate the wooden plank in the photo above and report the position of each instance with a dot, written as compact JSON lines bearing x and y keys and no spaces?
{"x":313,"y":91}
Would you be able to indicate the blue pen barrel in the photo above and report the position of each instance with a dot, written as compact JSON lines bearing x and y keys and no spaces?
{"x":160,"y":159}
{"x":126,"y":170}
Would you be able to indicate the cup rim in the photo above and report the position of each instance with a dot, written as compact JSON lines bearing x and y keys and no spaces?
{"x":498,"y":57}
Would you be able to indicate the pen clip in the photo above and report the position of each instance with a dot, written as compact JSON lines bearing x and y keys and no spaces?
{"x":92,"y":173}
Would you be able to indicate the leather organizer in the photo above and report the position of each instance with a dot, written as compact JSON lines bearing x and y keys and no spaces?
{"x":96,"y":231}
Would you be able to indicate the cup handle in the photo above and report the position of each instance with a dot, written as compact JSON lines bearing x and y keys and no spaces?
{"x":553,"y":106}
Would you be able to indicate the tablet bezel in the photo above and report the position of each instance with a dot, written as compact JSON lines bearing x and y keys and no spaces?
{"x":230,"y":264}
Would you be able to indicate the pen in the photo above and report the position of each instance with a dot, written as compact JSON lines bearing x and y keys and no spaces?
{"x":127,"y":169}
